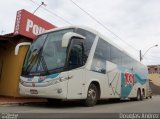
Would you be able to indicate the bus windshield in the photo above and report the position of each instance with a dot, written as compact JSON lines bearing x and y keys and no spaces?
{"x":46,"y":54}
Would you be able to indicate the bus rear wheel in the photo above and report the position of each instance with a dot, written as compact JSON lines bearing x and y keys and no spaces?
{"x":92,"y":96}
{"x":139,"y":97}
{"x":143,"y":94}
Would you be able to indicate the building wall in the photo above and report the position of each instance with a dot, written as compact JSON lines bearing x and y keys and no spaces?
{"x":154,"y":69}
{"x":11,"y":69}
{"x":154,"y":74}
{"x":155,"y":78}
{"x":1,"y":61}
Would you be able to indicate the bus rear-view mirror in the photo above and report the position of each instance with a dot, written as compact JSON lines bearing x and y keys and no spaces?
{"x":67,"y":37}
{"x":19,"y":45}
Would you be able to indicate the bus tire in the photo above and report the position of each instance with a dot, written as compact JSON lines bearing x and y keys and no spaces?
{"x":143,"y":94}
{"x":92,"y":96}
{"x":139,"y":97}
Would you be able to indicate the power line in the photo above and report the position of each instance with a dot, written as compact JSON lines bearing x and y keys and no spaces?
{"x":34,"y":2}
{"x":51,"y":12}
{"x":102,"y":24}
{"x":57,"y":16}
{"x":51,"y":15}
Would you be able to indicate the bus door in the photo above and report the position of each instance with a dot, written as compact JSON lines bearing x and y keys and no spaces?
{"x":113,"y":80}
{"x":76,"y":71}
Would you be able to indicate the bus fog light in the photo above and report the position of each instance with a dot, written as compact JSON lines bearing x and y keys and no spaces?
{"x":59,"y":91}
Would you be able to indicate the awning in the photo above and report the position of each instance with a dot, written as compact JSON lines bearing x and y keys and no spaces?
{"x":7,"y":39}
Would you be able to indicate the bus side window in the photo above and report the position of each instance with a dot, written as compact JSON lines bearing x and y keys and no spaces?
{"x":76,"y":56}
{"x":101,"y":55}
{"x":90,"y":37}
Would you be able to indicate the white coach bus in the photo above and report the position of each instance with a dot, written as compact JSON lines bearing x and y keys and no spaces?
{"x":80,"y":63}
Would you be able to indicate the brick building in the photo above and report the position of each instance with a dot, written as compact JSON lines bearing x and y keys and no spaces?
{"x":154,"y":74}
{"x":154,"y":69}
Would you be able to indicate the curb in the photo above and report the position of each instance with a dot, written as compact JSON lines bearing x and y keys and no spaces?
{"x":20,"y":103}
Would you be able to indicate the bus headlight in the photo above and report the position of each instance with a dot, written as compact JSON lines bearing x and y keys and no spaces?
{"x":60,"y":79}
{"x":57,"y":81}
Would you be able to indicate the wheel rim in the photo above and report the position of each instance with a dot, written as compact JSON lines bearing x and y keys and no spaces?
{"x":92,"y":95}
{"x":143,"y":95}
{"x":138,"y":96}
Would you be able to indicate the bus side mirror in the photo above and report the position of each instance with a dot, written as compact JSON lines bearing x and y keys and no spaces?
{"x":19,"y":45}
{"x":67,"y":37}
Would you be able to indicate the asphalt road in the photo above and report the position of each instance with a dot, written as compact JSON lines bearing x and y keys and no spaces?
{"x":108,"y":106}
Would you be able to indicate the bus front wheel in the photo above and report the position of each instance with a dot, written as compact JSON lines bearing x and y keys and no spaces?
{"x":92,"y":96}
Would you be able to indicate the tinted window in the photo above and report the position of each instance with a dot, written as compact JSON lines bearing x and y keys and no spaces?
{"x":115,"y":55}
{"x":76,"y":56}
{"x":126,"y":60}
{"x":102,"y":54}
{"x":90,"y":37}
{"x":46,"y":54}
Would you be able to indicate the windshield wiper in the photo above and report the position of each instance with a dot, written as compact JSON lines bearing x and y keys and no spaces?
{"x":42,"y":60}
{"x":37,"y":58}
{"x":31,"y":64}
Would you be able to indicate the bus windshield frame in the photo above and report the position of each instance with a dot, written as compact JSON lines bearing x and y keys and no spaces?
{"x":46,"y":54}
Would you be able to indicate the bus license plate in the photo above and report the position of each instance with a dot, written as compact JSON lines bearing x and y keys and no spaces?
{"x":32,"y":91}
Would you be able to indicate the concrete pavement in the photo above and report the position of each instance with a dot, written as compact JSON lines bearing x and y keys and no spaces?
{"x":147,"y":105}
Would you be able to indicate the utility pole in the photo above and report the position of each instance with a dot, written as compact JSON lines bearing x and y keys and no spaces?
{"x":140,"y":55}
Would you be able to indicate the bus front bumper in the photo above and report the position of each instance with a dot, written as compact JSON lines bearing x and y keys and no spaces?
{"x":57,"y":91}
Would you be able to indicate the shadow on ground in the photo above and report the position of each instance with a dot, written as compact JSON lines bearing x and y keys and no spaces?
{"x":73,"y":104}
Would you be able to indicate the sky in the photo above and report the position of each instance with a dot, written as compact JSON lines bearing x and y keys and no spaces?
{"x":134,"y":24}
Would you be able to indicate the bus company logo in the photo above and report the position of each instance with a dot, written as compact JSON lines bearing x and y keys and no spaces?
{"x":42,"y":78}
{"x":129,"y":78}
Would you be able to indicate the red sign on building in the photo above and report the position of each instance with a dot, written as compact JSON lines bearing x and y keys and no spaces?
{"x":30,"y":25}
